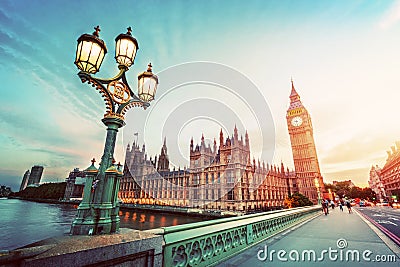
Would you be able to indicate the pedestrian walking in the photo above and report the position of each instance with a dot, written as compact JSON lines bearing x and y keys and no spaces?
{"x":348,"y":204}
{"x":324,"y":207}
{"x":340,"y":205}
{"x":332,"y":204}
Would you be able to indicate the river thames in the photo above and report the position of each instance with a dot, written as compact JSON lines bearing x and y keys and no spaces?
{"x":25,"y":222}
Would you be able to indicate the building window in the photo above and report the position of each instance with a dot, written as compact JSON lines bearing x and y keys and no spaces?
{"x":231,"y":195}
{"x":196,"y":179}
{"x":230,"y":179}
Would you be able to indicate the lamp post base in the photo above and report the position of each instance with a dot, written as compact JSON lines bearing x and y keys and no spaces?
{"x":105,"y":221}
{"x":96,"y":218}
{"x":92,"y":229}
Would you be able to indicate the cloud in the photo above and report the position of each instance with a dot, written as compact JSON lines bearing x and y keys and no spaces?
{"x":363,"y":146}
{"x":391,"y":17}
{"x":28,"y":50}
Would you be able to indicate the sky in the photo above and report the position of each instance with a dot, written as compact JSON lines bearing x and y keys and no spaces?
{"x":228,"y":62}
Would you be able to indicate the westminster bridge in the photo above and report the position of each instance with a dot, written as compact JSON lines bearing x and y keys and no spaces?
{"x":294,"y":237}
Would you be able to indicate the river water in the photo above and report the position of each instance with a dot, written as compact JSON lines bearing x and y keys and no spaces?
{"x":24,"y":222}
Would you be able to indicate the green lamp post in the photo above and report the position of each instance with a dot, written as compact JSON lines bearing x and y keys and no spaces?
{"x":98,"y":211}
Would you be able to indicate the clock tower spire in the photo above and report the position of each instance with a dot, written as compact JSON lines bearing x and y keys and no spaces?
{"x":310,"y":181}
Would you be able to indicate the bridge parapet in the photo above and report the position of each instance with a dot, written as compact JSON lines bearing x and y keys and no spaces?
{"x":211,"y":242}
{"x":197,"y":244}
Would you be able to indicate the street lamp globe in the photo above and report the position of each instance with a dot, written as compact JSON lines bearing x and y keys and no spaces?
{"x":126,"y":47}
{"x":147,"y":85}
{"x":90,"y":52}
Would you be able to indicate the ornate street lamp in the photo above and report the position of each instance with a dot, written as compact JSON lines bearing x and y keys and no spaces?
{"x":98,"y":211}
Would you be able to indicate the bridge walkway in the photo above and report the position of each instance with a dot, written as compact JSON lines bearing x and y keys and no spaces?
{"x":336,"y":239}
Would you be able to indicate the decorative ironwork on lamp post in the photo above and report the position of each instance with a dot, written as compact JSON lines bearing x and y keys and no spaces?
{"x":98,"y":211}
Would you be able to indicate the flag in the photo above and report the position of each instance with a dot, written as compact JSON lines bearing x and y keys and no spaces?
{"x":136,"y":134}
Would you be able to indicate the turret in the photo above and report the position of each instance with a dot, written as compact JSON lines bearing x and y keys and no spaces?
{"x":246,"y":137}
{"x":215,"y":146}
{"x":163,"y":160}
{"x":165,"y":145}
{"x":235,"y":135}
{"x":221,"y":139}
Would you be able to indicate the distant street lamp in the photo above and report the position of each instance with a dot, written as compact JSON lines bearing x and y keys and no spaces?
{"x":98,"y":211}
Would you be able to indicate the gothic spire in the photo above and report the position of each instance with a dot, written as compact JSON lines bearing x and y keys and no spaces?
{"x":293,"y":93}
{"x":235,"y":134}
{"x":221,"y":138}
{"x":164,"y":147}
{"x":294,"y":98}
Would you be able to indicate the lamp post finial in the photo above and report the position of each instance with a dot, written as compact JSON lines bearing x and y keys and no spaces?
{"x":97,"y":30}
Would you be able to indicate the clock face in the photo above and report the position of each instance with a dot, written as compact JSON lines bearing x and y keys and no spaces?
{"x":297,"y":121}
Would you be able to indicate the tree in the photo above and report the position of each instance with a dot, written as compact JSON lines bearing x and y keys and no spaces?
{"x":44,"y":191}
{"x":297,"y":200}
{"x":342,"y":189}
{"x":330,"y":186}
{"x":367,"y":193}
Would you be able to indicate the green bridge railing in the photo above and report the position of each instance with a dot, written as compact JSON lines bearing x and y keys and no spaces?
{"x":211,"y":242}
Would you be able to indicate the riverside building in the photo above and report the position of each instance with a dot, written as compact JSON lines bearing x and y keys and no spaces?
{"x":390,"y":173}
{"x":35,"y":175}
{"x":375,"y":182}
{"x":219,"y":177}
{"x":222,"y":175}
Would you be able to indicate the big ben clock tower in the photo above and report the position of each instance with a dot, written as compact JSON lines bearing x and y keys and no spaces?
{"x":309,"y":178}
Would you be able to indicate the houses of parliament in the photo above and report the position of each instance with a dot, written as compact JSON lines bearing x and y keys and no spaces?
{"x":222,"y":175}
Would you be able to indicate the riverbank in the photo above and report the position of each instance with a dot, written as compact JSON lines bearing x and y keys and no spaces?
{"x":210,"y":214}
{"x":48,"y":201}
